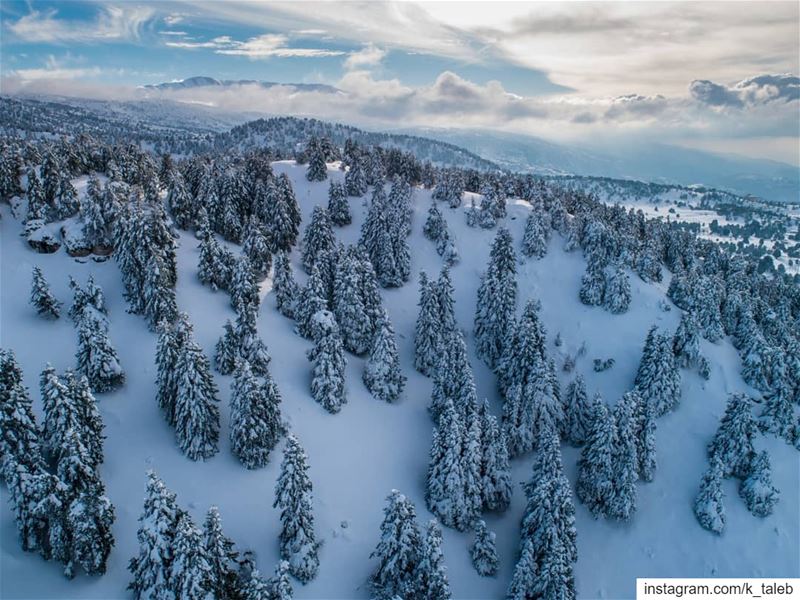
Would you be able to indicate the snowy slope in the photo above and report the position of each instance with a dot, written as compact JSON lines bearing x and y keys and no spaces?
{"x":359,"y":455}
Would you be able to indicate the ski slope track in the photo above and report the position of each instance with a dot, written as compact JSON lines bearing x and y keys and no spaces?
{"x":359,"y":455}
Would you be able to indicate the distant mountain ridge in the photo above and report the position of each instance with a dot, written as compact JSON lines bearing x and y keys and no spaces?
{"x":202,"y":81}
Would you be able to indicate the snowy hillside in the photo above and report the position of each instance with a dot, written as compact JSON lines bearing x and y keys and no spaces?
{"x":358,"y":456}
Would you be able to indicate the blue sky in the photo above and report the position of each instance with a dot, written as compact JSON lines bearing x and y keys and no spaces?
{"x":697,"y":73}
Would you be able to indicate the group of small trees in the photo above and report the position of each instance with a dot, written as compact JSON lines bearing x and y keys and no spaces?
{"x":410,"y":564}
{"x":384,"y":233}
{"x":186,"y":391}
{"x":436,"y":230}
{"x":732,"y":454}
{"x":54,"y":486}
{"x":178,"y":559}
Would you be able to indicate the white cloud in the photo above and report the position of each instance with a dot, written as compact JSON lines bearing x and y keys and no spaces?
{"x":262,"y":46}
{"x":173,"y":19}
{"x":113,"y":23}
{"x":369,"y":56}
{"x":176,"y":33}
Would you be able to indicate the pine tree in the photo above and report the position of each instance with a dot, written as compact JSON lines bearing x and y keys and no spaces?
{"x":382,"y":373}
{"x":625,"y":456}
{"x":196,"y":413}
{"x":286,"y":289}
{"x":497,"y":301}
{"x":435,"y":225}
{"x":709,"y":507}
{"x":191,"y":574}
{"x":733,"y":442}
{"x":90,"y":518}
{"x":42,"y":298}
{"x":617,"y":297}
{"x":595,"y":486}
{"x":398,"y":551}
{"x":327,"y":356}
{"x":483,"y":552}
{"x":312,"y":300}
{"x":427,"y":338}
{"x":251,"y":347}
{"x":534,"y":241}
{"x":157,"y":530}
{"x":214,"y":267}
{"x":431,"y":577}
{"x":756,"y":489}
{"x":338,"y":207}
{"x":354,"y":322}
{"x":686,"y":345}
{"x":577,"y":412}
{"x":255,"y":417}
{"x":257,"y":248}
{"x":658,"y":379}
{"x":446,"y":478}
{"x":19,"y":439}
{"x":222,"y":558}
{"x":257,"y":588}
{"x":171,"y":340}
{"x":60,"y":414}
{"x":778,"y":414}
{"x":179,"y":201}
{"x":495,"y":470}
{"x":317,"y":169}
{"x":548,"y":550}
{"x":90,"y":423}
{"x":280,"y":586}
{"x":96,"y":357}
{"x":244,"y":285}
{"x":160,"y":302}
{"x":593,"y":283}
{"x":318,"y":238}
{"x":293,"y":496}
{"x":226,"y":350}
{"x":355,"y":180}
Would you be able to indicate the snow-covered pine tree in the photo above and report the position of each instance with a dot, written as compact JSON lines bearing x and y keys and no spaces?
{"x":777,"y":415}
{"x":90,"y":518}
{"x":244,"y":285}
{"x":60,"y":413}
{"x":446,"y":479}
{"x":19,"y":441}
{"x":709,"y":507}
{"x":548,"y":550}
{"x":327,"y":356}
{"x":280,"y":586}
{"x":222,"y":558}
{"x":312,"y":299}
{"x":355,"y":323}
{"x":317,"y":169}
{"x":355,"y":180}
{"x":318,"y":238}
{"x":427,"y":337}
{"x":431,"y":577}
{"x":593,"y":282}
{"x":213,"y":268}
{"x":445,"y":294}
{"x":398,"y":551}
{"x":42,"y":298}
{"x":96,"y":357}
{"x":577,"y":412}
{"x":90,"y":422}
{"x":686,"y":345}
{"x":158,"y":523}
{"x":483,"y":551}
{"x":733,"y":441}
{"x":293,"y":496}
{"x":617,"y":297}
{"x":226,"y":350}
{"x":171,"y":339}
{"x":625,"y":456}
{"x":495,"y":470}
{"x":257,"y":248}
{"x":595,"y":486}
{"x":160,"y":303}
{"x":191,"y":575}
{"x":534,"y":241}
{"x":435,"y":224}
{"x":658,"y":379}
{"x":756,"y":489}
{"x":285,"y":287}
{"x":255,"y":417}
{"x":196,"y":412}
{"x":179,"y":202}
{"x":338,"y":207}
{"x":382,"y":373}
{"x":256,"y":587}
{"x":497,"y":300}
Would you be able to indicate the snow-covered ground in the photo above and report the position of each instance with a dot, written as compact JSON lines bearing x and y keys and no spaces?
{"x":357,"y":456}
